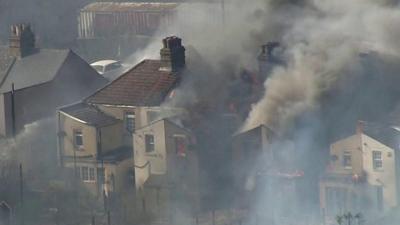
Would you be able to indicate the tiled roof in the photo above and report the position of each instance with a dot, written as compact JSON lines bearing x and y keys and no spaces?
{"x":129,"y":6}
{"x":89,"y":115}
{"x":143,"y":85}
{"x":38,"y":68}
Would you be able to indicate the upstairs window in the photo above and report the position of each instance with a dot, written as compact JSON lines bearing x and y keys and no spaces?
{"x":149,"y":142}
{"x":377,"y":160}
{"x":180,"y":146}
{"x":78,"y":139}
{"x":347,"y":160}
{"x":130,"y":121}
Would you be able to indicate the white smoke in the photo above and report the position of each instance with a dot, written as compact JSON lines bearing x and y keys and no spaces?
{"x":322,"y":45}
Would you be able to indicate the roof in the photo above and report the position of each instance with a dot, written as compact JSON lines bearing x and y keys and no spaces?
{"x":129,"y":6}
{"x":6,"y":61}
{"x":157,"y":181}
{"x":103,"y":63}
{"x":119,"y":154}
{"x":89,"y":115}
{"x":253,"y":130}
{"x":143,"y":85}
{"x":38,"y":68}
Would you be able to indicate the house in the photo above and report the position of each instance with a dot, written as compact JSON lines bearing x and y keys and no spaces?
{"x":127,"y":114}
{"x":34,"y":81}
{"x":264,"y":170}
{"x":166,"y":167}
{"x":361,"y":177}
{"x":90,"y":143}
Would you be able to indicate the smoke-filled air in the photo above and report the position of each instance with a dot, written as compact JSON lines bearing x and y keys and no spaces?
{"x":200,"y":112}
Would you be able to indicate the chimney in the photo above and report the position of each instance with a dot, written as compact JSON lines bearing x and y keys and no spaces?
{"x":360,"y":127}
{"x":21,"y":41}
{"x":172,"y":54}
{"x":266,"y":57}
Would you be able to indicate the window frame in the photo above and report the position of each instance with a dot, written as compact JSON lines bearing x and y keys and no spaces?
{"x":377,"y":163}
{"x":130,"y":116}
{"x":347,"y":160}
{"x":85,"y":174}
{"x":92,"y":174}
{"x":78,"y":133}
{"x":148,"y":143}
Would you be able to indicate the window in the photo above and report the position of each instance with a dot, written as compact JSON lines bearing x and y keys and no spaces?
{"x":347,"y":160}
{"x":149,"y":142}
{"x":180,"y":146}
{"x":377,"y":159}
{"x":78,"y":139}
{"x":91,"y":174}
{"x":88,"y":174}
{"x":130,"y":121}
{"x":85,"y":173}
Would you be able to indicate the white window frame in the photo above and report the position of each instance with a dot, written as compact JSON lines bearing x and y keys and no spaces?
{"x":78,"y":133}
{"x":130,"y":117}
{"x":347,"y":154}
{"x":376,"y":160}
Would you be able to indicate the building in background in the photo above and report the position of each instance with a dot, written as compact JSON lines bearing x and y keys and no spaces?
{"x":113,"y":19}
{"x":34,"y":82}
{"x":361,"y":177}
{"x":115,"y":30}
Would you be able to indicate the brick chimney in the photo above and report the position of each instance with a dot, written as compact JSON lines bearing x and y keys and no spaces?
{"x":172,"y":54}
{"x":21,"y":41}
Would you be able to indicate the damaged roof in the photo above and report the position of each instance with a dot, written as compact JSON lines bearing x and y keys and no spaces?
{"x":129,"y":6}
{"x":89,"y":115}
{"x":38,"y":68}
{"x":143,"y":85}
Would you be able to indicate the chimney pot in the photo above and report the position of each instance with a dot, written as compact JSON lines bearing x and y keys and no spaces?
{"x":172,"y":54}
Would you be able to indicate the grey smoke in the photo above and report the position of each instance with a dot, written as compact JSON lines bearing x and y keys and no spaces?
{"x":323,"y":46}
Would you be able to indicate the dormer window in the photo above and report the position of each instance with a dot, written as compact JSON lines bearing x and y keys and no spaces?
{"x":347,"y":160}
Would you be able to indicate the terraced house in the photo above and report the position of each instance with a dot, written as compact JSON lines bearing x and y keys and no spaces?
{"x":120,"y":139}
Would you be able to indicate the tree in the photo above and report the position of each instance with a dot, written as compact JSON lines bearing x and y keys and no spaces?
{"x":349,"y":219}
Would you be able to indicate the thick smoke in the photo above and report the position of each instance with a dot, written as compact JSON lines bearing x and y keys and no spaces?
{"x":323,"y":50}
